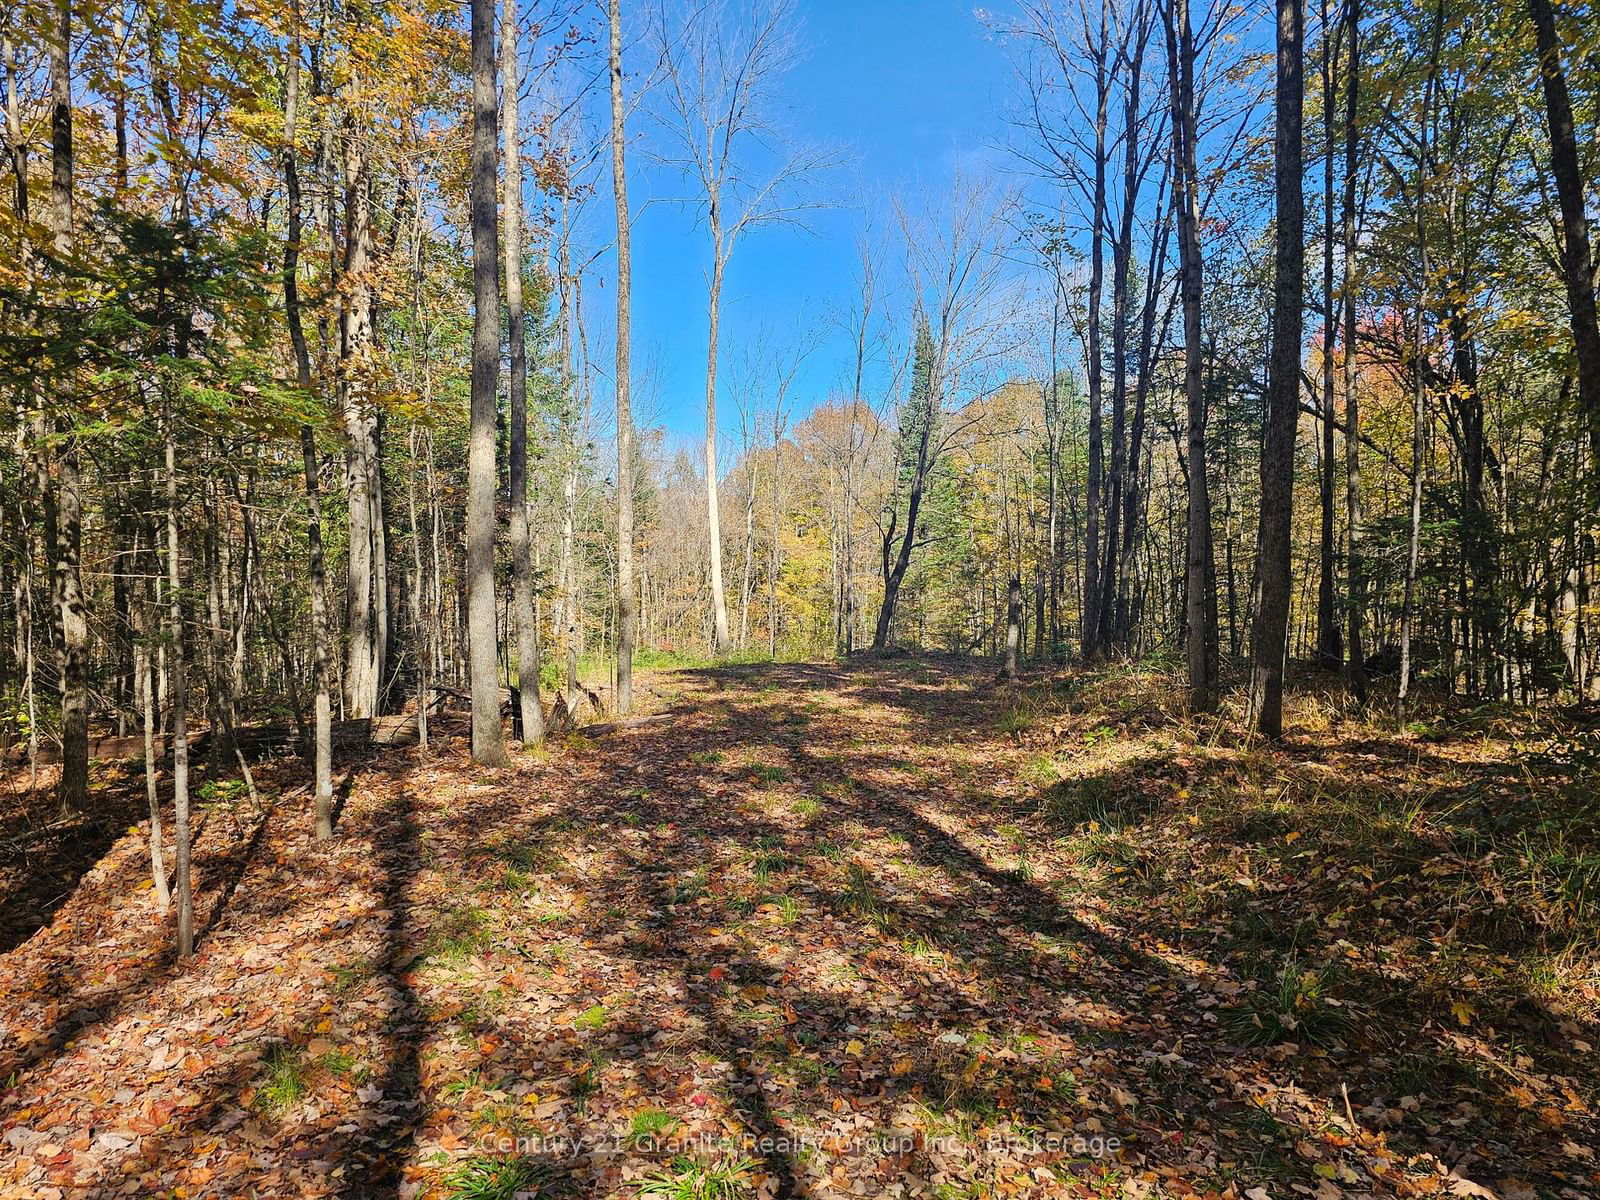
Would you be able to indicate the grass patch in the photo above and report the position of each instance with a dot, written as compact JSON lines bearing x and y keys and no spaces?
{"x":586,"y":1080}
{"x":457,"y":1088}
{"x":222,"y":791}
{"x":286,"y":1080}
{"x":767,"y":863}
{"x":461,"y":933}
{"x":922,"y":948}
{"x":1092,"y":801}
{"x":1296,"y":1007}
{"x":650,"y":1124}
{"x":342,"y":1062}
{"x":1022,"y":714}
{"x":1558,"y":876}
{"x":687,"y":1179}
{"x":530,"y":856}
{"x":486,"y":1178}
{"x":691,"y":887}
{"x":348,"y":976}
{"x":1041,"y":771}
{"x":861,"y":897}
{"x":1102,"y":847}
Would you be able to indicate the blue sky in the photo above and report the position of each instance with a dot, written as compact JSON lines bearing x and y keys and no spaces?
{"x":904,"y":89}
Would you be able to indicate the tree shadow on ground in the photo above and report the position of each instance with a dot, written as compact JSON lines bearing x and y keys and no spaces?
{"x":651,"y":887}
{"x":1008,"y":895}
{"x":43,"y":857}
{"x":372,"y":1165}
{"x":223,"y":852}
{"x":826,"y":899}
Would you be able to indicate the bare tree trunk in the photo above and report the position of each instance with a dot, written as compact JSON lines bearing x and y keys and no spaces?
{"x":1419,"y":381}
{"x":73,"y":788}
{"x":488,"y":741}
{"x":223,"y":700}
{"x":1269,"y":630}
{"x":1418,"y":399}
{"x":29,"y":448}
{"x":1576,"y":262}
{"x":1013,"y":627}
{"x":1038,"y":591}
{"x":218,"y":691}
{"x":1052,"y":568}
{"x":619,"y":184}
{"x":1414,"y":538}
{"x":441,"y":644}
{"x":868,"y":298}
{"x":1357,"y":666}
{"x":896,"y":575}
{"x":421,"y":613}
{"x":364,"y":665}
{"x":747,"y":588}
{"x":719,"y":603}
{"x":1134,"y":515}
{"x":1093,"y":499}
{"x":35,"y":440}
{"x":1330,"y":651}
{"x":777,"y":550}
{"x":1054,"y":429}
{"x":569,"y":575}
{"x":244,"y":600}
{"x":179,"y":698}
{"x":530,"y":711}
{"x":572,"y":416}
{"x":30,"y":679}
{"x":1201,"y":633}
{"x":321,"y":653}
{"x":144,"y":688}
{"x":843,"y":634}
{"x":1107,"y":632}
{"x":123,"y":699}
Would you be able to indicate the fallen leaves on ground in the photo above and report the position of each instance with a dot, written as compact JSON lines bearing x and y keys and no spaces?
{"x":881,"y":929}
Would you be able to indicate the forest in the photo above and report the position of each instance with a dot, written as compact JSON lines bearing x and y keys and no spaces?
{"x":567,"y":629}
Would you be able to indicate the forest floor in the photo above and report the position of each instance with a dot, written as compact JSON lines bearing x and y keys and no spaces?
{"x":873,"y":929}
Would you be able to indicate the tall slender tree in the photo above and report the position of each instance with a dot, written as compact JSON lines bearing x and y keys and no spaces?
{"x":1119,"y":482}
{"x":530,"y":711}
{"x":1200,"y":630}
{"x":178,"y":691}
{"x":1419,"y":365}
{"x":720,"y":65}
{"x":1355,"y":582}
{"x":1008,"y":666}
{"x":1330,"y":648}
{"x":1270,"y":627}
{"x":488,"y":740}
{"x":619,"y":188}
{"x":321,"y":653}
{"x":915,"y":457}
{"x":367,"y":569}
{"x":70,"y":602}
{"x":1094,"y":497}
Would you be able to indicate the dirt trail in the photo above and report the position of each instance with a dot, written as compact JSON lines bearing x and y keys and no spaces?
{"x":817,"y":921}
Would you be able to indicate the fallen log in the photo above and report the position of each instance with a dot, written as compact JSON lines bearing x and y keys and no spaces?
{"x":607,"y":727}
